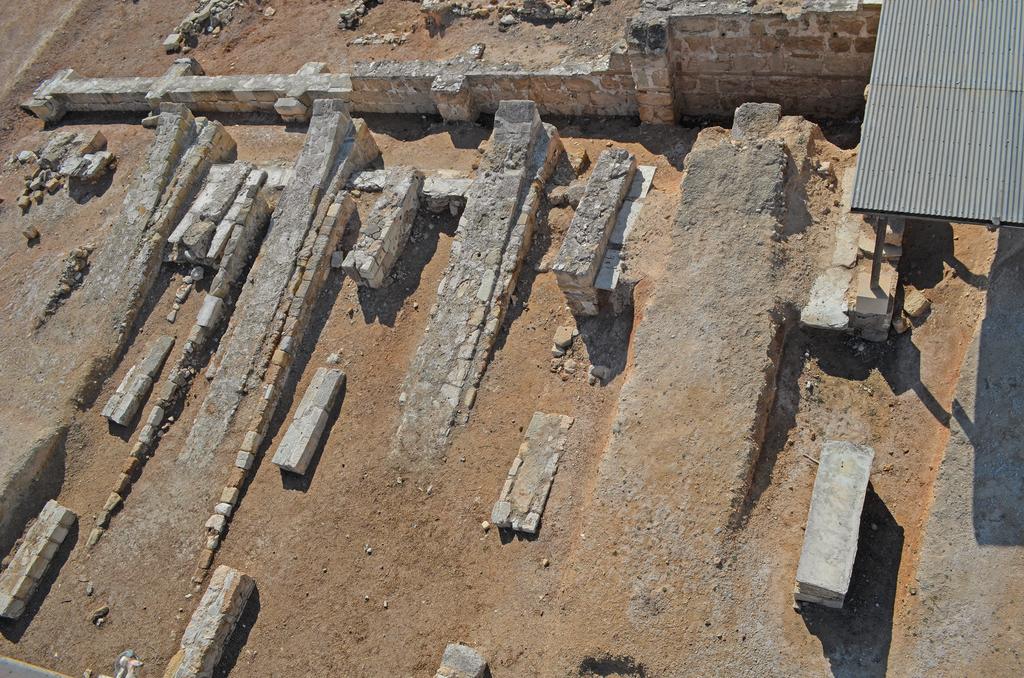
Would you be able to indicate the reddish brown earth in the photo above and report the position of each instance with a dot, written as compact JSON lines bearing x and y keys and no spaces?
{"x":320,"y":607}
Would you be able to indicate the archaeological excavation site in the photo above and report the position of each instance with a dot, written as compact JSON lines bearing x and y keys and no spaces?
{"x":512,"y":338}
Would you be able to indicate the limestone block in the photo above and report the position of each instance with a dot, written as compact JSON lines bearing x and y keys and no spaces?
{"x":31,"y":560}
{"x":755,"y":121}
{"x":583,"y":250}
{"x":211,"y":625}
{"x":303,"y":435}
{"x":291,"y":109}
{"x":386,"y":229}
{"x":461,"y":661}
{"x":827,"y":308}
{"x":453,"y":97}
{"x":833,"y":523}
{"x":521,"y":502}
{"x":607,"y":278}
{"x":129,"y":394}
{"x":210,"y":312}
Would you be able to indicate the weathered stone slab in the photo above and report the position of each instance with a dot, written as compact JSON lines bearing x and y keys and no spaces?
{"x":386,"y":230}
{"x":611,"y":268}
{"x":583,"y":249}
{"x":755,"y":121}
{"x":128,"y":395}
{"x":32,"y":559}
{"x":442,"y":192}
{"x":210,"y":207}
{"x":303,"y":435}
{"x":12,"y":668}
{"x":461,"y":661}
{"x":490,"y":243}
{"x":207,"y":632}
{"x":521,"y":502}
{"x":833,"y":523}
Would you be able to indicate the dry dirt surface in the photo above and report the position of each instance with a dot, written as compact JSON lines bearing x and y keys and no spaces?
{"x":671,"y":536}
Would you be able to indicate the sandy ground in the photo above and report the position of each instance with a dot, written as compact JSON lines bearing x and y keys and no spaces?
{"x":718,"y":603}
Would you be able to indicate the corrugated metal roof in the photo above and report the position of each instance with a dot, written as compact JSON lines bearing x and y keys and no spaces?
{"x":943,"y":134}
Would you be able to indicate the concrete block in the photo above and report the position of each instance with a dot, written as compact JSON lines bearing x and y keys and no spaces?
{"x":833,"y":523}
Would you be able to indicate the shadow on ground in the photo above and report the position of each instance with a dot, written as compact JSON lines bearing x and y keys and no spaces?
{"x":992,"y":422}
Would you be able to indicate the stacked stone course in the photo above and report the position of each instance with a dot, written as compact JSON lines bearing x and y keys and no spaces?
{"x":386,"y":231}
{"x":32,"y":559}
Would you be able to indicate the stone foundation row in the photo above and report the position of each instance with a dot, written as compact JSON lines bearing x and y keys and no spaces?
{"x":283,"y":331}
{"x":32,"y":558}
{"x":242,"y":227}
{"x":491,"y":241}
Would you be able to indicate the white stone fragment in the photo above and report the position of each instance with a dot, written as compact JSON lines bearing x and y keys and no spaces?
{"x":525,"y":492}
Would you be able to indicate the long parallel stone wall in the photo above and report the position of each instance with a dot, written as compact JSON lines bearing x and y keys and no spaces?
{"x":687,"y":59}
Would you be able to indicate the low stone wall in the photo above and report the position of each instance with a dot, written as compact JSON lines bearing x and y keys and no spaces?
{"x":708,"y":58}
{"x":687,"y":59}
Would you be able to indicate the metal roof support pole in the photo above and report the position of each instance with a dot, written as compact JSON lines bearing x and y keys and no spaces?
{"x":876,"y":259}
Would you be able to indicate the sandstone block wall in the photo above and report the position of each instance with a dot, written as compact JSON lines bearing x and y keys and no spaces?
{"x":387,"y":228}
{"x":698,"y":59}
{"x":32,"y":559}
{"x":705,"y":59}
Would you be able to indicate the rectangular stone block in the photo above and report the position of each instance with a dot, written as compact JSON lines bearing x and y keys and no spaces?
{"x":583,"y":250}
{"x":386,"y":230}
{"x":521,"y":502}
{"x":833,"y":523}
{"x":32,"y":558}
{"x":211,"y":625}
{"x":303,"y":435}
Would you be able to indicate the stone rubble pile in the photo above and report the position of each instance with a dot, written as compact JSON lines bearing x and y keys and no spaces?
{"x":833,"y":523}
{"x":209,"y":17}
{"x":461,"y":661}
{"x":307,"y":428}
{"x":348,"y":18}
{"x":129,"y":394}
{"x":32,"y":557}
{"x":521,"y":502}
{"x":386,"y":229}
{"x":438,"y":14}
{"x":583,"y":250}
{"x":72,"y":275}
{"x":490,"y":243}
{"x":200,"y":236}
{"x":207,"y":633}
{"x":65,"y":157}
